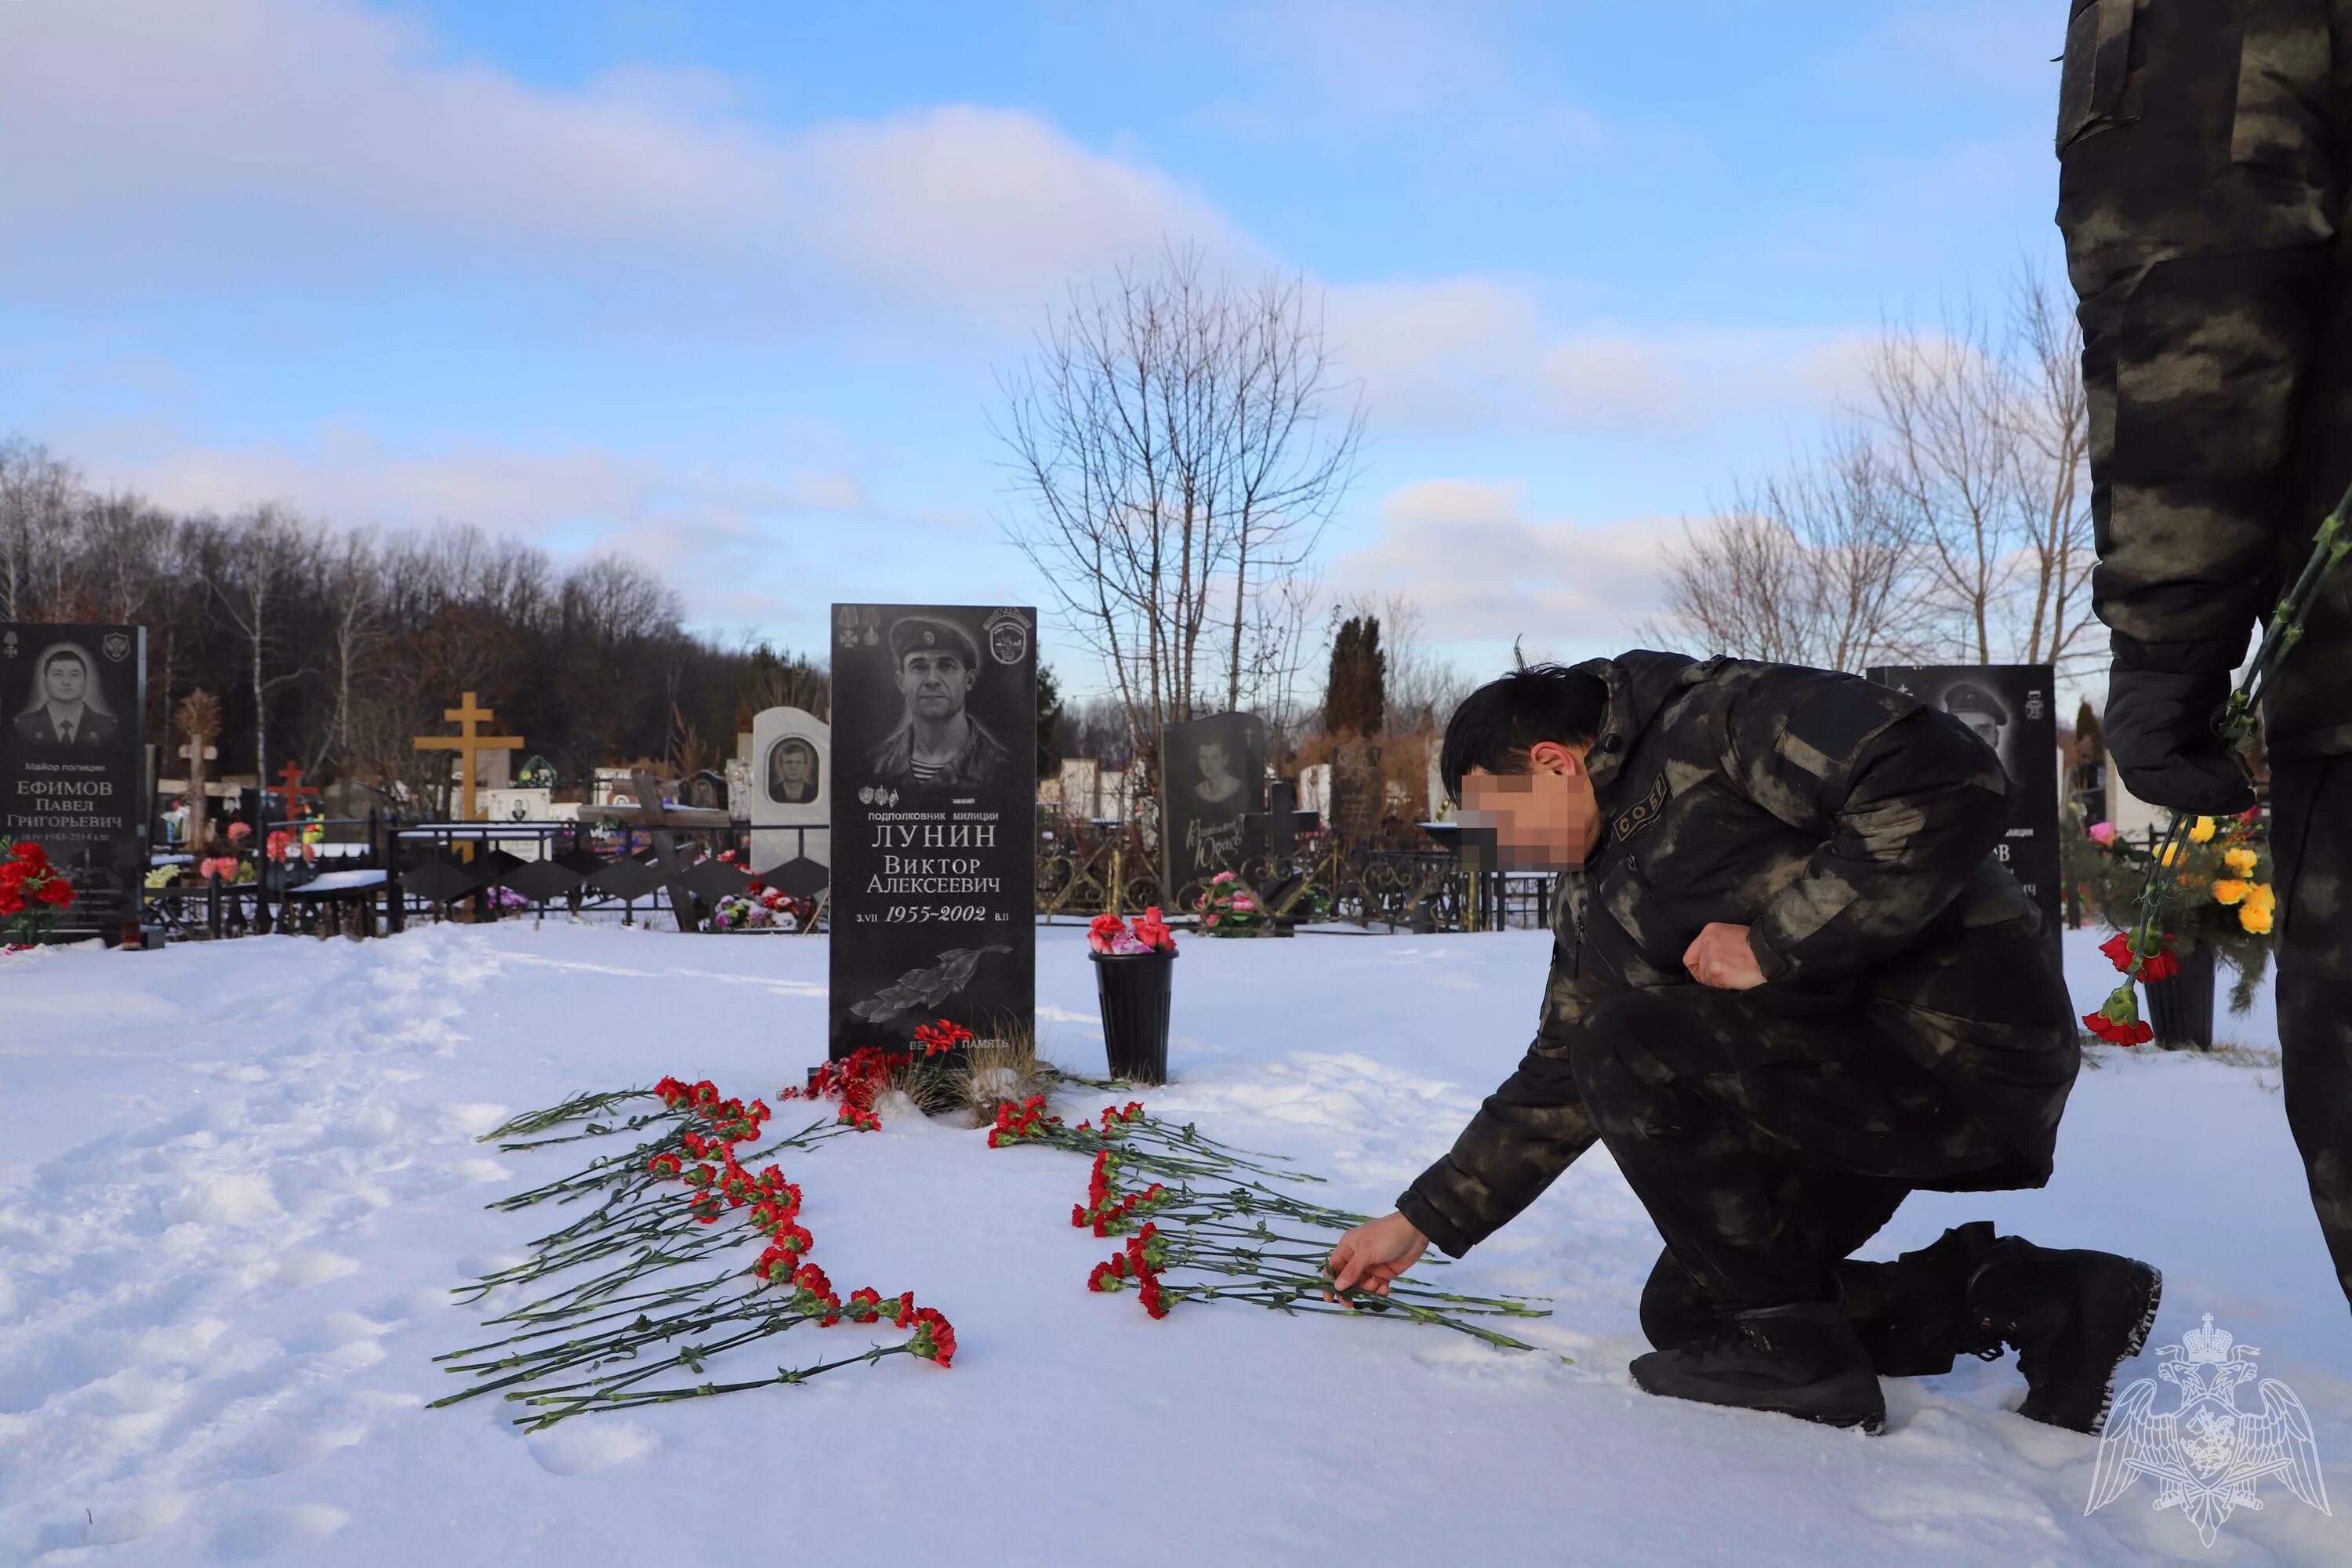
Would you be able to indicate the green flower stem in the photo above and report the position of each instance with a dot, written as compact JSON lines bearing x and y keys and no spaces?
{"x":572,"y":1109}
{"x":785,"y":1376}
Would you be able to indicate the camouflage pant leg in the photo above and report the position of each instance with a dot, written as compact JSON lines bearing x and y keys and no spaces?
{"x":2312,"y":850}
{"x":1765,"y":1147}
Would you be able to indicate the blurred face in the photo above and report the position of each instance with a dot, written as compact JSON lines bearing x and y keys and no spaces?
{"x":1545,"y":819}
{"x":1212,"y":760}
{"x":935,"y":682}
{"x":793,"y":764}
{"x":1985,"y":727}
{"x":65,"y":681}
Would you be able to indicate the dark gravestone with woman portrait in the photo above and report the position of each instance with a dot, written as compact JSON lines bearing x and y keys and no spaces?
{"x":934,"y":822}
{"x":72,"y":761}
{"x":1213,"y":794}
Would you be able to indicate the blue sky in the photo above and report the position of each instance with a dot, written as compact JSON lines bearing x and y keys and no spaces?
{"x":726,"y":284}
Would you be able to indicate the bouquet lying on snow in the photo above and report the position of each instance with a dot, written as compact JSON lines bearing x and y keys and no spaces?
{"x":1203,"y":1224}
{"x":649,"y":1289}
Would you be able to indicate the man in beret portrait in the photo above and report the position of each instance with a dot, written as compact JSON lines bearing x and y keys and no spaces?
{"x":1979,"y":710}
{"x":937,"y":664}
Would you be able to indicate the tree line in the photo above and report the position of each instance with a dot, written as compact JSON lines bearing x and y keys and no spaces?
{"x":334,"y":648}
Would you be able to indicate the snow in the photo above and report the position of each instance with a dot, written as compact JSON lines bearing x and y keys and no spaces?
{"x":237,"y":1179}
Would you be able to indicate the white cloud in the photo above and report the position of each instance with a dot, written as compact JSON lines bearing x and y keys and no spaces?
{"x":244,"y":141}
{"x":1482,"y":353}
{"x":1483,"y":571}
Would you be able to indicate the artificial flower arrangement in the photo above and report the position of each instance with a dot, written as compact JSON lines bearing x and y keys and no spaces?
{"x":1228,"y":907}
{"x":2216,"y":880}
{"x":1113,"y":937}
{"x":757,"y":907}
{"x":32,"y":891}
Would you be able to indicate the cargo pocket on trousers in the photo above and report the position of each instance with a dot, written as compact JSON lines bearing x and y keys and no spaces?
{"x":2097,"y":60}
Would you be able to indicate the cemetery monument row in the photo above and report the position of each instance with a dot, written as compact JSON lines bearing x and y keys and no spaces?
{"x":2008,"y":707}
{"x":73,"y":760}
{"x":1212,"y":784}
{"x":934,"y":822}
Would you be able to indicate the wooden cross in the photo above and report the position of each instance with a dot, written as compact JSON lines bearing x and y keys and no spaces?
{"x":199,"y":830}
{"x":466,"y":744}
{"x":291,"y":777}
{"x":650,"y":812}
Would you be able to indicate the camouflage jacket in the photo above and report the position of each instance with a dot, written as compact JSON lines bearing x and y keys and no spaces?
{"x":1850,"y":829}
{"x":2203,"y":148}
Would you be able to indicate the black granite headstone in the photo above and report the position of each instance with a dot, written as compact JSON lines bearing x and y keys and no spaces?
{"x":1214,"y":783}
{"x":934,"y":822}
{"x":2010,"y":708}
{"x":73,"y":761}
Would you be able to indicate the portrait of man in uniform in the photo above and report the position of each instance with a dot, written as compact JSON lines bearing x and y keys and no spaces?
{"x":65,"y":707}
{"x":937,"y":664}
{"x":1979,"y":710}
{"x":792,"y":771}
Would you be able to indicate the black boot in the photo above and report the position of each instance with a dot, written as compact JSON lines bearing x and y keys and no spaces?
{"x":2073,"y":1317}
{"x":1801,"y":1359}
{"x":1912,"y":1315}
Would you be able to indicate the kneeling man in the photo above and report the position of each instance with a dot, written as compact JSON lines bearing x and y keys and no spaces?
{"x":1790,"y":985}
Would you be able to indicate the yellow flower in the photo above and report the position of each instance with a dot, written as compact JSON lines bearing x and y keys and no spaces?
{"x":2167,"y":854}
{"x":2201,"y":831}
{"x":2242,"y":861}
{"x":2255,"y":920}
{"x":2260,"y":896}
{"x":2228,"y":892}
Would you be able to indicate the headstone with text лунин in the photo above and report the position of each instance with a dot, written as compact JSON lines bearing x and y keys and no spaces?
{"x":2009,"y":708}
{"x":1212,"y":795}
{"x":73,"y":761}
{"x":934,"y":822}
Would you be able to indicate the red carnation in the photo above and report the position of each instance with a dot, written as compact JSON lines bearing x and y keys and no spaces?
{"x":2135,"y":1032}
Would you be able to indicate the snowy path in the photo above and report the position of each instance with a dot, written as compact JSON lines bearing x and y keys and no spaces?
{"x":236,"y":1182}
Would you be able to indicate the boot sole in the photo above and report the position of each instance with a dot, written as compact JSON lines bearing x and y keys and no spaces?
{"x":1821,"y":1403}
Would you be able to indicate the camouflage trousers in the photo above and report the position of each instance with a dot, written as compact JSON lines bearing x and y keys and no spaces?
{"x":2311,"y":847}
{"x":1766,"y":1147}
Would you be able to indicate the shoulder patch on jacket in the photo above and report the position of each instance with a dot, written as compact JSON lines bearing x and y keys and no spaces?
{"x":1643,"y":812}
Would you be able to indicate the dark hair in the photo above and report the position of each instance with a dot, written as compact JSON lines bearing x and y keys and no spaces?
{"x":1500,"y":722}
{"x":61,"y":655}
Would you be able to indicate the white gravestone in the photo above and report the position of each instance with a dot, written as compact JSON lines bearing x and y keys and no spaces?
{"x":791,"y":788}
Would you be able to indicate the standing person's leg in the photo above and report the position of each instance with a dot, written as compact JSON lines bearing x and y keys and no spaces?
{"x":2311,"y":851}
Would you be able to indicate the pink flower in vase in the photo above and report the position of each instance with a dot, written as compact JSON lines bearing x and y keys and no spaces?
{"x":2103,"y":833}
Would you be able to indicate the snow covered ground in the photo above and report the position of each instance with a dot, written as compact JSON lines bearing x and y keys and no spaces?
{"x":236,"y":1180}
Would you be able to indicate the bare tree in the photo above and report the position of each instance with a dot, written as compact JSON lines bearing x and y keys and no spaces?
{"x":351,"y":589}
{"x":1947,"y":519}
{"x":1986,"y":432}
{"x":2054,"y":419}
{"x":1812,"y":565}
{"x":1180,"y":442}
{"x":272,"y":550}
{"x":37,"y":492}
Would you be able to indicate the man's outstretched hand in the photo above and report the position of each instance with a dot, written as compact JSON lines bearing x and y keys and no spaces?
{"x":1372,"y":1256}
{"x":1721,"y":957}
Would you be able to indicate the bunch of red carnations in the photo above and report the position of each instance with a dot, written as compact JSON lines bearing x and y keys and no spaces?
{"x":605,"y":1324}
{"x":1222,"y":1218}
{"x":1107,"y":934}
{"x":31,"y":892}
{"x":857,"y":1080}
